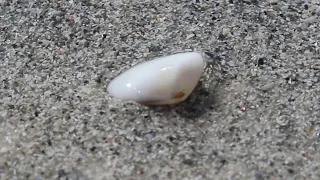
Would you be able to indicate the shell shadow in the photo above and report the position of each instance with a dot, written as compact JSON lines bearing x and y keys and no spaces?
{"x":201,"y":101}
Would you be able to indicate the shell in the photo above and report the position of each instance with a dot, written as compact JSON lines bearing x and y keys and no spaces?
{"x":164,"y":80}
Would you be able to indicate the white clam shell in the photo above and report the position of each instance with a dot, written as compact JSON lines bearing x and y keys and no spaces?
{"x":164,"y":80}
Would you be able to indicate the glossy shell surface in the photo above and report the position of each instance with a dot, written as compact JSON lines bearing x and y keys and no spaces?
{"x":164,"y":80}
